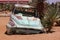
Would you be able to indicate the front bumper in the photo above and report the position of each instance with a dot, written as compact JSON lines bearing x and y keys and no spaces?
{"x":23,"y":30}
{"x":25,"y":27}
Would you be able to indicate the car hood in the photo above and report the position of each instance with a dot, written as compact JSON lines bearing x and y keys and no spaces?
{"x":26,"y":22}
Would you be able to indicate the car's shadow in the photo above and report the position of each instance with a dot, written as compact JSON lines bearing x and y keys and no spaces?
{"x":50,"y":32}
{"x":29,"y":33}
{"x":24,"y":33}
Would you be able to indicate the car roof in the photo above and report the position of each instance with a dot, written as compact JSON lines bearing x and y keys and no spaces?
{"x":23,"y":6}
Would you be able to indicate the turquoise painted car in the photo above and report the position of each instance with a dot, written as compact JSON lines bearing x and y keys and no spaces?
{"x":25,"y":24}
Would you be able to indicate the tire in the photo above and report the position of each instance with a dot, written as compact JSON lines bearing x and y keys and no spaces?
{"x":9,"y":32}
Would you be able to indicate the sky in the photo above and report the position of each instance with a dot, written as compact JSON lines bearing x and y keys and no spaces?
{"x":54,"y":1}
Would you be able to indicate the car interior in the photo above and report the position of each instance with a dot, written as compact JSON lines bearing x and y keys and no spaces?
{"x":26,"y":12}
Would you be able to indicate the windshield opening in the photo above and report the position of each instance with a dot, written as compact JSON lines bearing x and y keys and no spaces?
{"x":25,"y":11}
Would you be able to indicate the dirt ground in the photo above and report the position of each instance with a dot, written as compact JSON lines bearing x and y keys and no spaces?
{"x":50,"y":36}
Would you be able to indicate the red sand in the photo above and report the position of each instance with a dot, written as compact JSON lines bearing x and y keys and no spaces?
{"x":50,"y":36}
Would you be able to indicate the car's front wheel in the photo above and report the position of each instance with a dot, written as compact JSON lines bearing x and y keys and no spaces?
{"x":10,"y":31}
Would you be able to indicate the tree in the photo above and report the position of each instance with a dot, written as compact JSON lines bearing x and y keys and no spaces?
{"x":40,"y":8}
{"x":49,"y":18}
